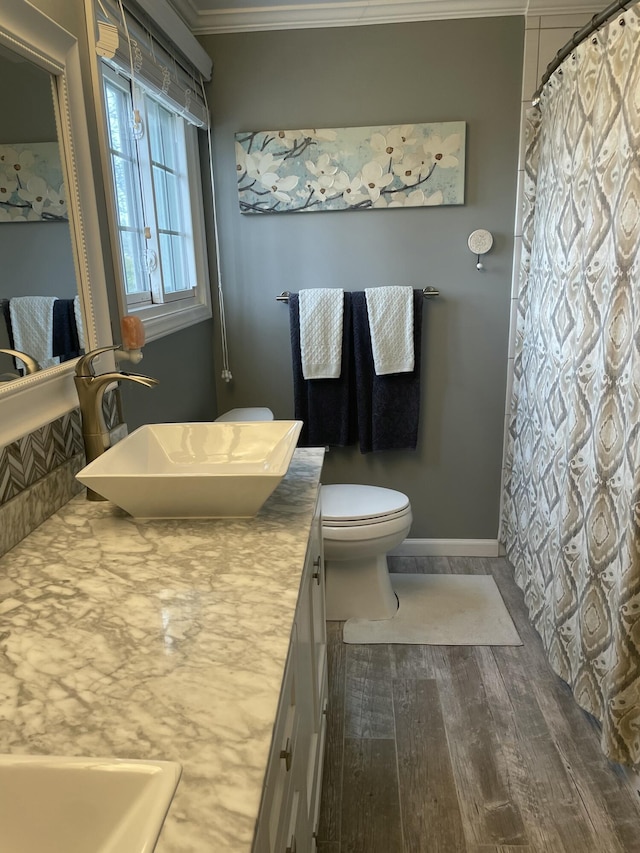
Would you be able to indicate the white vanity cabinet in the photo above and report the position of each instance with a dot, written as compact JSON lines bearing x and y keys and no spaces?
{"x":290,"y":806}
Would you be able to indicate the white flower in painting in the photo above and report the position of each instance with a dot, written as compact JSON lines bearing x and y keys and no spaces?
{"x":440,"y":151}
{"x":409,"y":170}
{"x":393,"y":143}
{"x":259,"y":164}
{"x":241,"y":159}
{"x":289,"y":138}
{"x":278,"y":186}
{"x":398,"y":200}
{"x":322,"y":166}
{"x":331,"y":186}
{"x":36,"y":192}
{"x":8,"y":185}
{"x":18,"y":215}
{"x":16,"y":162}
{"x":341,"y":181}
{"x":323,"y":187}
{"x":322,"y":134}
{"x":416,"y":198}
{"x":352,"y":192}
{"x":374,"y":179}
{"x":58,"y":201}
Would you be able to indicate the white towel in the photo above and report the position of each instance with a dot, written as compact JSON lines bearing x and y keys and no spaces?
{"x":32,"y":327}
{"x":321,"y":316}
{"x":390,"y":311}
{"x":77,"y":312}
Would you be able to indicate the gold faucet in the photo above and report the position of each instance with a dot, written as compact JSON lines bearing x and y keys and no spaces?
{"x":91,"y":388}
{"x":30,"y":364}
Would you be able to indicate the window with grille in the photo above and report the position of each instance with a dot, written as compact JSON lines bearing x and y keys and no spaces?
{"x":154,"y":110}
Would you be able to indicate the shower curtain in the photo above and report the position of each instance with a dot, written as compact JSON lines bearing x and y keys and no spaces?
{"x":571,"y":517}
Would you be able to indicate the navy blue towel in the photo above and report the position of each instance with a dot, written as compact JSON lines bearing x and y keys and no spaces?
{"x":388,"y":406}
{"x":66,"y":343}
{"x":326,"y":406}
{"x":4,"y":307}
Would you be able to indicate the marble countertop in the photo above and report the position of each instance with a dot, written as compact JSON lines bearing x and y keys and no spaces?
{"x":158,"y":640}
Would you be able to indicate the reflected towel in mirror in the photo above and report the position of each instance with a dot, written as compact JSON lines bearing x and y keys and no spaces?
{"x":32,"y":327}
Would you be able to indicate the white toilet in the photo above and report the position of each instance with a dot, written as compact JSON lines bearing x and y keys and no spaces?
{"x":254,"y":413}
{"x":360,"y":524}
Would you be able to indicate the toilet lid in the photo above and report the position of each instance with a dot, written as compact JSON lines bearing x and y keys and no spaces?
{"x":353,"y":504}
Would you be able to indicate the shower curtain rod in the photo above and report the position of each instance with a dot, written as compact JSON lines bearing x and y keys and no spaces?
{"x":427,"y":292}
{"x":579,"y":36}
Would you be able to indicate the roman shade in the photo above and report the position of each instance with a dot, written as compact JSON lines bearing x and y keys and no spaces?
{"x":137,"y":47}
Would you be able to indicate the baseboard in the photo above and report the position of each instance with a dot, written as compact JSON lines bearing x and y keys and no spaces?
{"x":447,"y":548}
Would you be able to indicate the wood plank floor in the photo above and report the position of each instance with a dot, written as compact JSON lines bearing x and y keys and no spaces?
{"x":465,"y":749}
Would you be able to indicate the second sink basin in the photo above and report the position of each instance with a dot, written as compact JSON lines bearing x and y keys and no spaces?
{"x":195,"y":470}
{"x":51,"y":804}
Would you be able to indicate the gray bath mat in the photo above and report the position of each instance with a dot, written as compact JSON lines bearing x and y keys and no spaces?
{"x":441,"y":610}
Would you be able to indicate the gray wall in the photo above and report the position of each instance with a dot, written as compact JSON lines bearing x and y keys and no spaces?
{"x":183,"y":362}
{"x":404,"y":73}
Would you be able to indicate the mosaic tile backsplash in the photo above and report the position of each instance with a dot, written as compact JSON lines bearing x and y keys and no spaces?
{"x":32,"y":457}
{"x":37,"y":472}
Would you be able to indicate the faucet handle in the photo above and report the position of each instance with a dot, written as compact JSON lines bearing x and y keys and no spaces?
{"x":30,"y":364}
{"x":84,"y":365}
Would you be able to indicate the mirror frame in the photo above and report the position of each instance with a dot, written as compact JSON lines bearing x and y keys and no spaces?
{"x":32,"y":401}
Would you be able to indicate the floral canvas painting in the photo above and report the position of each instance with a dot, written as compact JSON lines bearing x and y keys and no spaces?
{"x":31,"y":183}
{"x":352,"y":168}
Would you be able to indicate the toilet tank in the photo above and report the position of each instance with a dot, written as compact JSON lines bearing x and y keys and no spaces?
{"x":251,"y":413}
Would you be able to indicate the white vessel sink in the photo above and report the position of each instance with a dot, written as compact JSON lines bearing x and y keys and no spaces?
{"x":51,"y":804}
{"x":195,"y":470}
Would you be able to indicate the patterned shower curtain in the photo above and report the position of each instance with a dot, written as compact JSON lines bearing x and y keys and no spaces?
{"x":571,"y":520}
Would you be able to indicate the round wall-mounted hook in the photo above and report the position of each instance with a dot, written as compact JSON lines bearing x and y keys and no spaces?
{"x":480,"y":242}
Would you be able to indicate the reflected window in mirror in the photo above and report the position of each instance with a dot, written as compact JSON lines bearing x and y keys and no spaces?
{"x":152,"y":115}
{"x":39,"y":305}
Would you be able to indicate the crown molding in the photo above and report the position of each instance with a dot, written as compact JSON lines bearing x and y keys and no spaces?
{"x":565,"y":7}
{"x":204,"y":20}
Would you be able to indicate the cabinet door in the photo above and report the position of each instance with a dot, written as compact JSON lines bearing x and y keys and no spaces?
{"x":318,"y":621}
{"x":307,"y":706}
{"x":290,"y":806}
{"x":297,"y":839}
{"x":276,"y":800}
{"x":319,"y":665}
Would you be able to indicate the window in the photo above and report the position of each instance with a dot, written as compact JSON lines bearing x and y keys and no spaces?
{"x":154,"y":164}
{"x":152,"y":116}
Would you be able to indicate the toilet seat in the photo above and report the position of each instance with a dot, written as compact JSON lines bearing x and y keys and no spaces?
{"x":359,"y":513}
{"x":348,"y":505}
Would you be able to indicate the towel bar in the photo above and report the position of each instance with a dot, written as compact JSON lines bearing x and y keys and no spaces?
{"x":427,"y":292}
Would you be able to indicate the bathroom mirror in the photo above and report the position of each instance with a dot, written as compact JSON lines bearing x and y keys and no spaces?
{"x":38,"y":272}
{"x":50,"y":56}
